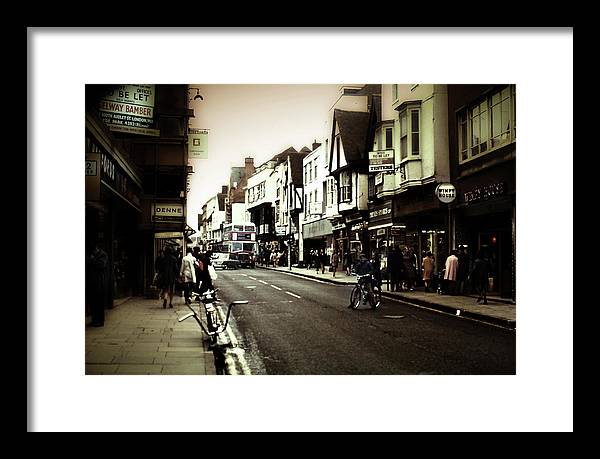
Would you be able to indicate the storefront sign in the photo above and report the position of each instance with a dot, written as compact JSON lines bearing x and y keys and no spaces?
{"x":445,"y":192}
{"x":381,"y":161}
{"x":397,"y":230}
{"x":129,"y":108}
{"x":353,"y":218}
{"x":92,"y":177}
{"x":381,"y":212}
{"x":168,"y":235}
{"x":381,"y":232}
{"x":319,"y":228}
{"x":379,"y":179}
{"x":280,"y":230}
{"x":114,"y":176}
{"x":167,"y":212}
{"x":484,"y":192}
{"x":358,"y":227}
{"x":338,"y":226}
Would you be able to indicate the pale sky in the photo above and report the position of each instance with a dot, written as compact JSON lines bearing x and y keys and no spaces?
{"x":252,"y":120}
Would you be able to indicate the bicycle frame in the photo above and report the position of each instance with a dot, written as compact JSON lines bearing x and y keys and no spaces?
{"x":208,"y":300}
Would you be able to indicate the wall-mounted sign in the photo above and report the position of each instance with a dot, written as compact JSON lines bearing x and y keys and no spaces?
{"x":381,"y":161}
{"x":92,"y":177}
{"x":315,"y":208}
{"x":280,"y":230}
{"x":167,"y":212}
{"x":381,"y":212}
{"x":485,"y":192}
{"x":379,"y":179}
{"x":445,"y":192}
{"x":129,"y":108}
{"x":198,"y":144}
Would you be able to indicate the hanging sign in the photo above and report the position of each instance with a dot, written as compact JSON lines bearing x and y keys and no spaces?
{"x":381,"y":161}
{"x":198,"y":144}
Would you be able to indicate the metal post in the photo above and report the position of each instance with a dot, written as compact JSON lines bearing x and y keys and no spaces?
{"x":290,"y":236}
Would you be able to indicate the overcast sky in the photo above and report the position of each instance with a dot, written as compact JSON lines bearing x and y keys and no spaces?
{"x":252,"y":120}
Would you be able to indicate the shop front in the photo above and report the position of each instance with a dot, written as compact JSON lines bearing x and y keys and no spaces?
{"x":358,"y":235}
{"x":420,"y":224}
{"x":485,"y":223}
{"x":318,"y":235}
{"x":112,"y":213}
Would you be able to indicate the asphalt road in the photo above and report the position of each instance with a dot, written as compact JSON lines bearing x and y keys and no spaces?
{"x":297,"y":326}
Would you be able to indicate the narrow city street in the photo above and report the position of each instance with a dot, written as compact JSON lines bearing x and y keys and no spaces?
{"x":300,"y":326}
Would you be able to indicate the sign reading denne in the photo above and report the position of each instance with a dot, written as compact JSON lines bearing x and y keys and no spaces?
{"x":381,"y":161}
{"x":167,"y":212}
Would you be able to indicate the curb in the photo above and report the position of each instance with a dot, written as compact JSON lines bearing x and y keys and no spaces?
{"x":504,"y":323}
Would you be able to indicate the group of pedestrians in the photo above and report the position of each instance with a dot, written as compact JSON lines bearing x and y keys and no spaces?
{"x":402,"y":269}
{"x":191,"y":272}
{"x":458,"y":271}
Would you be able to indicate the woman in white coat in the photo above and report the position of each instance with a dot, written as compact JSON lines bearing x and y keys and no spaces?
{"x":451,"y":271}
{"x":188,"y":275}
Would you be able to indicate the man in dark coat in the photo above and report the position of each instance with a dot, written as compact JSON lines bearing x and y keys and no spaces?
{"x":96,"y":291}
{"x":167,"y":268}
{"x":479,"y":277}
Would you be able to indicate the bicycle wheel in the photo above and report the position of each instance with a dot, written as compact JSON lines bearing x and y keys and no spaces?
{"x":355,"y":297}
{"x":376,"y":297}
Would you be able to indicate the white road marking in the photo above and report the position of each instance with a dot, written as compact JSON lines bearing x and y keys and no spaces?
{"x":242,"y":274}
{"x":263,"y":282}
{"x":308,"y":278}
{"x":275,"y":287}
{"x":293,"y":294}
{"x":253,"y":278}
{"x":234,"y":343}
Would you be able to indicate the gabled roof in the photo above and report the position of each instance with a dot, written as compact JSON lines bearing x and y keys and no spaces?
{"x":354,"y":132}
{"x":278,"y":158}
{"x":306,"y":150}
{"x":296,"y":166}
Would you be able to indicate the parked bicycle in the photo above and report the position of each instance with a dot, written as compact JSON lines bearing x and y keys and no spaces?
{"x":360,"y":293}
{"x":213,"y":327}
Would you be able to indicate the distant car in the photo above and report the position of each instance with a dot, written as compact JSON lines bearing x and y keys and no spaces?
{"x":225,"y":260}
{"x":246,"y":260}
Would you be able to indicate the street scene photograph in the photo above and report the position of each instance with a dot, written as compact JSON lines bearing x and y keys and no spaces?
{"x":383,"y":212}
{"x":266,"y":229}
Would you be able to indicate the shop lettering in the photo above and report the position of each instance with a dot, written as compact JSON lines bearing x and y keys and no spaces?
{"x":168,"y":210}
{"x":484,"y":192}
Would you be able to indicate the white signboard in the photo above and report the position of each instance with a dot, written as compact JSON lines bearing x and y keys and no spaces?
{"x":381,"y":161}
{"x":280,"y":230}
{"x":198,"y":144}
{"x":315,"y":208}
{"x":167,"y":212}
{"x":129,"y":108}
{"x":445,"y":192}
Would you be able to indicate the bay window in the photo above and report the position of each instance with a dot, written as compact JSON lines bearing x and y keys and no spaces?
{"x":486,"y":125}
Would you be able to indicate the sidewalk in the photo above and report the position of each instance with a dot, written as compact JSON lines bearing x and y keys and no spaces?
{"x":139,"y":337}
{"x":498,"y":311}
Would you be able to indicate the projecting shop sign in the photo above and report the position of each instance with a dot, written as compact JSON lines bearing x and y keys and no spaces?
{"x":381,"y":161}
{"x":198,"y":144}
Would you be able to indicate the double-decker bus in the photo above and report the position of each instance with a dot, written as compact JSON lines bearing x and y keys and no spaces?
{"x":240,"y":238}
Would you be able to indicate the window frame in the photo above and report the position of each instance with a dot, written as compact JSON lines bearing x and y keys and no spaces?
{"x":464,"y":118}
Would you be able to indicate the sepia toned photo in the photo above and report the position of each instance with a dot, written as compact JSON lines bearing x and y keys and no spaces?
{"x":339,"y":229}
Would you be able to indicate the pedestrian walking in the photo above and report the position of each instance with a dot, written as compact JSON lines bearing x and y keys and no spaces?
{"x":376,"y":262}
{"x":479,"y":277}
{"x":450,"y":272}
{"x":462,"y":273}
{"x":96,"y":283}
{"x":188,"y":275}
{"x":166,"y":269}
{"x":410,"y":273}
{"x":335,"y":259}
{"x":348,"y":262}
{"x":427,"y":265}
{"x":322,"y":260}
{"x":394,"y":261}
{"x":205,"y":281}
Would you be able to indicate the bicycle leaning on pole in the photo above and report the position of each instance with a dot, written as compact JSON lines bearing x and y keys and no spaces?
{"x":360,"y":293}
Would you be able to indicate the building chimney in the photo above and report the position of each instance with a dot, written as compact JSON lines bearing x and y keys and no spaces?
{"x":315,"y":145}
{"x":249,"y":166}
{"x":224,"y":189}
